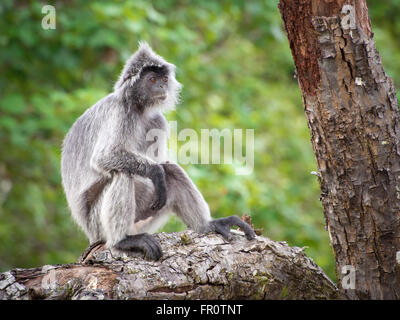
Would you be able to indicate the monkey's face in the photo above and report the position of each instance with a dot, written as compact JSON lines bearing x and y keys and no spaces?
{"x":152,"y":87}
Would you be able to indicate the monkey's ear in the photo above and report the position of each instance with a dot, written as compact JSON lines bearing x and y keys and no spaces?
{"x":143,"y":57}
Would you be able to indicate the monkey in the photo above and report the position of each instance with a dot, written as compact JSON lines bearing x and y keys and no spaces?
{"x":117,"y":191}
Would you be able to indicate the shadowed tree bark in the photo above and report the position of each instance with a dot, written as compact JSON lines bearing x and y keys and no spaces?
{"x":193,"y":266}
{"x":352,"y":112}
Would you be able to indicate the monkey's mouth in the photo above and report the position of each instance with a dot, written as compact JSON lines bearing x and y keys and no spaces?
{"x":161,"y":97}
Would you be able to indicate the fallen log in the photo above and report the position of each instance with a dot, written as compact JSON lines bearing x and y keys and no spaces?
{"x":193,"y":266}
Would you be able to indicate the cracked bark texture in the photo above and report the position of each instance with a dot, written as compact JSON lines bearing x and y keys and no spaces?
{"x":352,"y":112}
{"x":193,"y":266}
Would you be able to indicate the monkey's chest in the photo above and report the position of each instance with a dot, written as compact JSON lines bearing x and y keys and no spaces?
{"x":152,"y":144}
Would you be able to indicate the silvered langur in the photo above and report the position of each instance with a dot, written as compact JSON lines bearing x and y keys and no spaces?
{"x":119,"y":192}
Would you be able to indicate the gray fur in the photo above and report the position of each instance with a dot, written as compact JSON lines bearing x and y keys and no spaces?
{"x":105,"y":168}
{"x":117,"y":191}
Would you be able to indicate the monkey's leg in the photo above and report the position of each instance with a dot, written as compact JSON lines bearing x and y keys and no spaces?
{"x":147,"y":219}
{"x":87,"y":218}
{"x":185,"y":200}
{"x":188,"y":203}
{"x":117,"y":218}
{"x":223,"y":226}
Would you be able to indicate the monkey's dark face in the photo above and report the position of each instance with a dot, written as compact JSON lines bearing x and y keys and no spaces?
{"x":152,"y":86}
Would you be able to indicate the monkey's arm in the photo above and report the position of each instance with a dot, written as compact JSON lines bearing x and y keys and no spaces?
{"x":114,"y":158}
{"x":191,"y":207}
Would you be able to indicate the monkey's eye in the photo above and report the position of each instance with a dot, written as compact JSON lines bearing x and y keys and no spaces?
{"x":165,"y":79}
{"x":153,"y":80}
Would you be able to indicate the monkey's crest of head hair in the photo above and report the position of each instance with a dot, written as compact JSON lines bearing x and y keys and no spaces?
{"x":146,"y":57}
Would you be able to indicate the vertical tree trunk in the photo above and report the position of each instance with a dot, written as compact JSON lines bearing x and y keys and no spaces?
{"x":352,"y":112}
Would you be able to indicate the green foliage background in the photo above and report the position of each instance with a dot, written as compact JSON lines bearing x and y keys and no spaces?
{"x":235,"y":64}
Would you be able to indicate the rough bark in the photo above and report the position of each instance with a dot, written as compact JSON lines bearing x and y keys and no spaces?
{"x":193,"y":266}
{"x":352,"y":112}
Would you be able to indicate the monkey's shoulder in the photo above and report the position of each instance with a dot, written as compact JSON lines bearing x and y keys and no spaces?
{"x":158,"y":121}
{"x":102,"y":112}
{"x":106,"y":108}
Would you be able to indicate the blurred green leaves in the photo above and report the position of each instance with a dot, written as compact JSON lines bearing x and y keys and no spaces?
{"x":235,"y":64}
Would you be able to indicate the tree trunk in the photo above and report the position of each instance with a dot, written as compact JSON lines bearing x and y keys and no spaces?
{"x":352,"y":112}
{"x":193,"y":266}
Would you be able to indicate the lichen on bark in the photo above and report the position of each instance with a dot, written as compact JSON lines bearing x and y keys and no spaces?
{"x":193,"y":266}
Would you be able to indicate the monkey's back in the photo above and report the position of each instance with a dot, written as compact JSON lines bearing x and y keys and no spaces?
{"x":78,"y":147}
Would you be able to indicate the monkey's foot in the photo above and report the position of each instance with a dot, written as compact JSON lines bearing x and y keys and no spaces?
{"x":142,"y":242}
{"x":223,"y":226}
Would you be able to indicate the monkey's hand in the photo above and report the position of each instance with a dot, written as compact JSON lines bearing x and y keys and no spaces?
{"x":223,"y":225}
{"x":157,"y":175}
{"x":142,"y":242}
